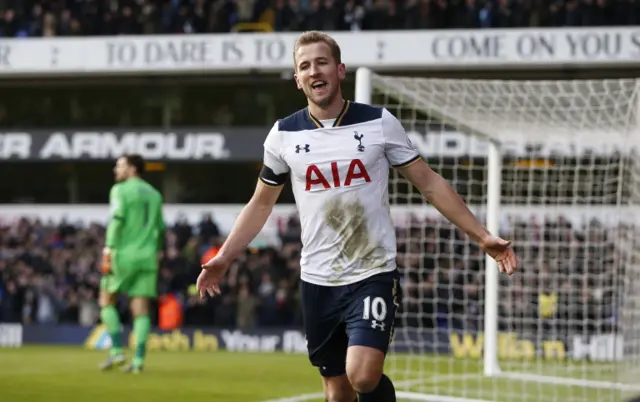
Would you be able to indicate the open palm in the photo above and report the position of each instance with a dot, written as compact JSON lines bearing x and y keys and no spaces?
{"x":211,"y":277}
{"x":501,"y":251}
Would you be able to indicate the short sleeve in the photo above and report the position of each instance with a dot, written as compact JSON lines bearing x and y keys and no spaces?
{"x":116,"y":207}
{"x":275,"y":171}
{"x":398,"y":149}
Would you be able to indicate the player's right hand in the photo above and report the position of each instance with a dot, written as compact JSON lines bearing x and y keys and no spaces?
{"x":106,"y":261}
{"x":212,"y":275}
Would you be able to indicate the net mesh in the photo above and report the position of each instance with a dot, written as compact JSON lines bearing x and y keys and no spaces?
{"x":568,"y":321}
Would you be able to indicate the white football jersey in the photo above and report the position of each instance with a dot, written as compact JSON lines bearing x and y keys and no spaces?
{"x":339,"y":172}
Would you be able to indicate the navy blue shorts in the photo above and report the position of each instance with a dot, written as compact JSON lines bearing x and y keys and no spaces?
{"x":336,"y":317}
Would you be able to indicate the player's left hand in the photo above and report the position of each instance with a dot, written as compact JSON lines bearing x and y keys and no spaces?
{"x":208,"y":282}
{"x":212,"y":275}
{"x":501,"y":251}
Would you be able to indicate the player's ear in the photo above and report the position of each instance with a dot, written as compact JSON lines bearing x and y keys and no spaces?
{"x":298,"y":84}
{"x":342,"y":71}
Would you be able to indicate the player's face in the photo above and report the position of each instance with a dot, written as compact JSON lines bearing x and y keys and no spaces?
{"x":318,"y":74}
{"x":122,"y":170}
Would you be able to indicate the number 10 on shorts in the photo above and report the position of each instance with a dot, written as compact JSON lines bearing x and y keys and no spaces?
{"x":376,"y":308}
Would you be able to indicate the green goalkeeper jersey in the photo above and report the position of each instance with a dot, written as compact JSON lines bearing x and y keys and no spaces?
{"x":136,"y":229}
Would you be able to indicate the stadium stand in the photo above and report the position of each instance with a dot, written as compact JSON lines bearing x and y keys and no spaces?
{"x":144,"y":17}
{"x":49,"y":274}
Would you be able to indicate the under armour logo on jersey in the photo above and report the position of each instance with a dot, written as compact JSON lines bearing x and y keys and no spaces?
{"x":358,"y":138}
{"x":300,"y":148}
{"x":377,"y":324}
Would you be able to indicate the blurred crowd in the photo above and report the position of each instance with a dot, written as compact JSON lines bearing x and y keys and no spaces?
{"x":568,"y":282}
{"x":49,"y":274}
{"x":114,"y":17}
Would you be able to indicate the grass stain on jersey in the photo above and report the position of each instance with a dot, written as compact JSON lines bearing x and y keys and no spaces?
{"x":348,"y":219}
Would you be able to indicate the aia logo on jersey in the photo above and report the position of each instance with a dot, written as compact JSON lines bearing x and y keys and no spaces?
{"x":327,"y":177}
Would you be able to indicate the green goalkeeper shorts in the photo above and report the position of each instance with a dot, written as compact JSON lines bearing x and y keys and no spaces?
{"x":133,"y":281}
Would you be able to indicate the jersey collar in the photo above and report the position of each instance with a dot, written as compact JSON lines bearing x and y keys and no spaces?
{"x":338,"y":120}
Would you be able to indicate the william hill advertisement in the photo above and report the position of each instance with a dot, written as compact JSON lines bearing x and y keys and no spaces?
{"x":595,"y":348}
{"x":509,"y":347}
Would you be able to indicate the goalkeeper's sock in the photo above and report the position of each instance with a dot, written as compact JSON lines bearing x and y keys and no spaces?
{"x":141,"y":329}
{"x":384,"y":392}
{"x":111,"y":320}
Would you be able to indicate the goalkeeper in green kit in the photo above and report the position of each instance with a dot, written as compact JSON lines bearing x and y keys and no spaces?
{"x":130,"y":257}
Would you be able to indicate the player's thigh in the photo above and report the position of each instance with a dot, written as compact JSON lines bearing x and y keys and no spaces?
{"x":117,"y":281}
{"x":323,"y":321}
{"x":370,"y":327}
{"x":338,"y":389}
{"x":143,"y":284}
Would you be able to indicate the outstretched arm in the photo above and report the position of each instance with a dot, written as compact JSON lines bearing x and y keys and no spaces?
{"x":254,"y":215}
{"x":249,"y":223}
{"x":251,"y":220}
{"x":445,"y":199}
{"x":405,"y":158}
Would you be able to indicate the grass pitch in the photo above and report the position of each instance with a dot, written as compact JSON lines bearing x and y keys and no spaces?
{"x":61,"y":374}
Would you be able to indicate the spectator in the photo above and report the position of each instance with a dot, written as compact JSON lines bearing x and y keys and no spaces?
{"x":247,"y":308}
{"x":88,"y":308}
{"x":208,"y":230}
{"x":148,"y":17}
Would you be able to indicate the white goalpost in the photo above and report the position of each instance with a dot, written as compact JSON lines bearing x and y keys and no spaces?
{"x":553,"y":166}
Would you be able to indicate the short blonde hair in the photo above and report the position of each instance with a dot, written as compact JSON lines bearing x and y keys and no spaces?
{"x":310,"y":37}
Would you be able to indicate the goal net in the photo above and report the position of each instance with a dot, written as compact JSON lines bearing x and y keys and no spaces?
{"x":551,"y":165}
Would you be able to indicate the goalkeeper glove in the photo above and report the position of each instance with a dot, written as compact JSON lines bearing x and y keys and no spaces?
{"x":106,"y":261}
